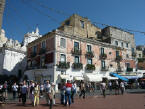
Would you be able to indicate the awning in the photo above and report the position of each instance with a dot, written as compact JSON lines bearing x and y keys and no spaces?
{"x":93,"y":78}
{"x":131,"y":77}
{"x":118,"y":76}
{"x":64,"y":76}
{"x":112,"y":78}
{"x":78,"y":78}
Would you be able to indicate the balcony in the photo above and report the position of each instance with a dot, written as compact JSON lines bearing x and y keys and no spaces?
{"x":90,"y":67}
{"x":77,"y":66}
{"x":63,"y":65}
{"x":129,"y":69}
{"x":118,"y":58}
{"x":33,"y":54}
{"x":104,"y":69}
{"x":42,"y":51}
{"x":89,"y":54}
{"x":76,"y":52}
{"x":134,"y":54}
{"x":103,"y":56}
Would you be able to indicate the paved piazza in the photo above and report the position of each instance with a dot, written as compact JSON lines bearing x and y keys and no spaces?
{"x":126,"y":101}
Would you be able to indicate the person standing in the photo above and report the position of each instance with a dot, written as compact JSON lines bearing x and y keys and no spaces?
{"x":62,"y":92}
{"x":52,"y":95}
{"x":31,"y":91}
{"x":68,"y":93}
{"x":116,"y":87}
{"x":82,"y":89}
{"x":5,"y":90}
{"x":41,"y":90}
{"x":103,"y":87}
{"x":15,"y":89}
{"x":1,"y":88}
{"x":74,"y":88}
{"x":110,"y":87}
{"x":122,"y":87}
{"x":36,"y":94}
{"x":24,"y":92}
{"x":47,"y":87}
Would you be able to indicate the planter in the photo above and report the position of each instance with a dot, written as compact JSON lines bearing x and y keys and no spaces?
{"x":63,"y":65}
{"x":77,"y":66}
{"x":76,"y":52}
{"x":89,"y":54}
{"x":103,"y":56}
{"x":90,"y":67}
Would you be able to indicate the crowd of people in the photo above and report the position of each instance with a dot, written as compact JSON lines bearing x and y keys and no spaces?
{"x":34,"y":91}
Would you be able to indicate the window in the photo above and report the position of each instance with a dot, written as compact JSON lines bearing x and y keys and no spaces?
{"x":110,"y":53}
{"x":34,"y":49}
{"x":89,"y":48}
{"x":116,"y":43}
{"x":77,"y":60}
{"x":43,"y":44}
{"x":128,"y":65}
{"x":67,"y":22}
{"x":62,"y":42}
{"x":102,"y":50}
{"x":139,"y":55}
{"x":122,"y":44}
{"x":103,"y":64}
{"x":132,"y":50}
{"x":127,"y":45}
{"x":82,"y":24}
{"x":62,"y":58}
{"x":76,"y":45}
{"x":117,"y":53}
{"x":127,"y":56}
{"x":89,"y":61}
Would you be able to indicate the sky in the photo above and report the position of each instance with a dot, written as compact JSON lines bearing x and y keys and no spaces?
{"x":22,"y":16}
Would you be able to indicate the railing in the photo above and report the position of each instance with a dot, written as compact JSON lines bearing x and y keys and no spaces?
{"x":89,"y":54}
{"x":63,"y":65}
{"x":77,"y":66}
{"x":90,"y":67}
{"x":76,"y":52}
{"x":103,"y":56}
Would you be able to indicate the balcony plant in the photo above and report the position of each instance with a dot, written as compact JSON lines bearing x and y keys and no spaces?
{"x":77,"y":65}
{"x":89,"y":54}
{"x":104,"y":69}
{"x":129,"y":69}
{"x":63,"y":65}
{"x":118,"y":58}
{"x":90,"y":67}
{"x":103,"y":56}
{"x":76,"y":51}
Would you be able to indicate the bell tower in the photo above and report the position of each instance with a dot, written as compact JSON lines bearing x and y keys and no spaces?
{"x":2,"y":5}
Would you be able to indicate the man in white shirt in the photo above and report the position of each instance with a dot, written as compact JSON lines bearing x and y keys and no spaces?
{"x":103,"y":87}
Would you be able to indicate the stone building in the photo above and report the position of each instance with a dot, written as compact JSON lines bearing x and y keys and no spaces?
{"x":13,"y":54}
{"x":74,"y":51}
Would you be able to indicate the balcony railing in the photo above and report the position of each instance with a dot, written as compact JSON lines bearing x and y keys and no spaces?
{"x":90,"y":67}
{"x":42,"y":51}
{"x":77,"y":66}
{"x":76,"y":52}
{"x":129,"y":69}
{"x":133,"y":54}
{"x":89,"y":54}
{"x":104,"y":69}
{"x":118,"y":58}
{"x":33,"y":54}
{"x":103,"y":56}
{"x":63,"y":65}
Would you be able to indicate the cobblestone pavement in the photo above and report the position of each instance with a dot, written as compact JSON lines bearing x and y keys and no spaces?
{"x":126,"y":101}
